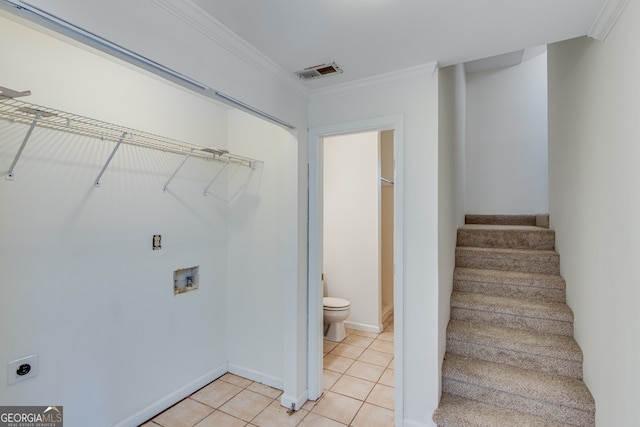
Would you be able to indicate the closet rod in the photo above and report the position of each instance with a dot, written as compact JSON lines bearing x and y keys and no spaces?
{"x":388,"y":181}
{"x":23,"y":112}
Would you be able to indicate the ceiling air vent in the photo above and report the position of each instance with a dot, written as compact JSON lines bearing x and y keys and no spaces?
{"x":318,"y":71}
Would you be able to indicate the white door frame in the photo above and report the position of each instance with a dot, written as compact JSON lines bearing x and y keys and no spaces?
{"x":315,"y":335}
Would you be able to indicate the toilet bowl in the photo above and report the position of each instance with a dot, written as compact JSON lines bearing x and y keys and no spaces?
{"x":336,"y":311}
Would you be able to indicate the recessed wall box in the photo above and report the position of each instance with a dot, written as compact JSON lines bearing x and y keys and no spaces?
{"x":186,"y":279}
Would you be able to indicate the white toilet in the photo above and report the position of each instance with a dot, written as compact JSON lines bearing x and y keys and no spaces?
{"x":336,"y":311}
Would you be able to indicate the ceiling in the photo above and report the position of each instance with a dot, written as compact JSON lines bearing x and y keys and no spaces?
{"x":368,"y":38}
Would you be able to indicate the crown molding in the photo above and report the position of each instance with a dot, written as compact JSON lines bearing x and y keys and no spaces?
{"x":214,"y":30}
{"x":607,"y":18}
{"x":407,"y":75}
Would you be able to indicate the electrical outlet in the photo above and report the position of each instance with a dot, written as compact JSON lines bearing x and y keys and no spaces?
{"x":22,"y":369}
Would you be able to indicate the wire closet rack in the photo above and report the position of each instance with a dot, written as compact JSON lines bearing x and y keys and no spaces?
{"x":36,"y":115}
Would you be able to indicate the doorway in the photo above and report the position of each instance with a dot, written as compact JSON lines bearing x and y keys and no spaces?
{"x":358,"y":225}
{"x":317,"y":136}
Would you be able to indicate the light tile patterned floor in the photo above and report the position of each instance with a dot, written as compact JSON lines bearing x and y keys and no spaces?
{"x":357,"y":384}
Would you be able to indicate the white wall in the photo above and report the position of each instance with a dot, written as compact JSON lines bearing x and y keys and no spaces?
{"x":258,"y":227}
{"x":507,"y":139}
{"x":351,"y":218}
{"x":594,"y":99}
{"x":417,"y":100}
{"x":81,"y":285}
{"x":178,"y":35}
{"x":451,"y":173}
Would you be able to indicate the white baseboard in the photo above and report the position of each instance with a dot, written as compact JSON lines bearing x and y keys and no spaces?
{"x":294,"y":402}
{"x":411,"y":423}
{"x":386,"y":312}
{"x":256,"y":376}
{"x":172,"y":398}
{"x":363,"y":327}
{"x":285,"y":400}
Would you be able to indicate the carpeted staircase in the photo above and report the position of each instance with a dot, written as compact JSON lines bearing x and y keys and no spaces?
{"x":511,"y":358}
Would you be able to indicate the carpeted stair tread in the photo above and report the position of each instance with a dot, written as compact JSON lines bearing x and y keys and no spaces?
{"x":506,"y":236}
{"x":552,"y":396}
{"x":558,"y":346}
{"x":550,"y":287}
{"x":523,"y":260}
{"x":516,"y":306}
{"x":500,"y":219}
{"x":550,"y":353}
{"x":456,"y":411}
{"x":517,"y":313}
{"x":510,"y":277}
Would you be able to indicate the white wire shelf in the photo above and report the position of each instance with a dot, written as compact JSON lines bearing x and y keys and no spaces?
{"x":24,"y":112}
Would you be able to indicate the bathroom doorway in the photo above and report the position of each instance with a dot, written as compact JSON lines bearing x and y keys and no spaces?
{"x":377,"y":328}
{"x":358,"y":225}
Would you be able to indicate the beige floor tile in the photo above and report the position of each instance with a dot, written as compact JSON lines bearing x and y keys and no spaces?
{"x":382,"y":395}
{"x":366,"y":371}
{"x":220,"y":419}
{"x":348,"y":351}
{"x":358,"y":341}
{"x":327,"y":346}
{"x":183,"y":414}
{"x":149,"y":424}
{"x":389,"y":328}
{"x":373,"y":416}
{"x":276,"y":415}
{"x":375,"y":357}
{"x":390,"y":366}
{"x":337,"y":407}
{"x":313,"y":420}
{"x":386,"y":336}
{"x":353,"y":387}
{"x":246,"y":405}
{"x":383,"y":346}
{"x":308,"y":405}
{"x":337,"y":363}
{"x":216,"y":394}
{"x":265,"y":390}
{"x":387,"y":377}
{"x":365,"y":334}
{"x":329,"y":378}
{"x":236,"y":380}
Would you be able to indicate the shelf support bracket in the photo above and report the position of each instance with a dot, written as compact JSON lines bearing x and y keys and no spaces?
{"x":173,"y":175}
{"x":24,"y":143}
{"x":215,"y":177}
{"x":113,"y":153}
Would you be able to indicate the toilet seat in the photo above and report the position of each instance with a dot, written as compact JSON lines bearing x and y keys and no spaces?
{"x":332,"y":303}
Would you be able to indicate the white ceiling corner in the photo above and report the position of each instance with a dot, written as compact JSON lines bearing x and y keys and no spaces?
{"x":607,"y":18}
{"x":376,"y":82}
{"x":200,"y":20}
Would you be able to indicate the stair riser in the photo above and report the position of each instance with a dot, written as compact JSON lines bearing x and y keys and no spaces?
{"x":514,"y":239}
{"x":508,"y":290}
{"x":548,"y":410}
{"x":521,"y":359}
{"x":545,"y":326}
{"x":527,"y":263}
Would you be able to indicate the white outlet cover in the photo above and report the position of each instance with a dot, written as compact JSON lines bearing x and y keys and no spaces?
{"x":12,"y":374}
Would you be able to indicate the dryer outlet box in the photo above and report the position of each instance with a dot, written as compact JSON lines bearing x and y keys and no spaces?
{"x":22,"y":369}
